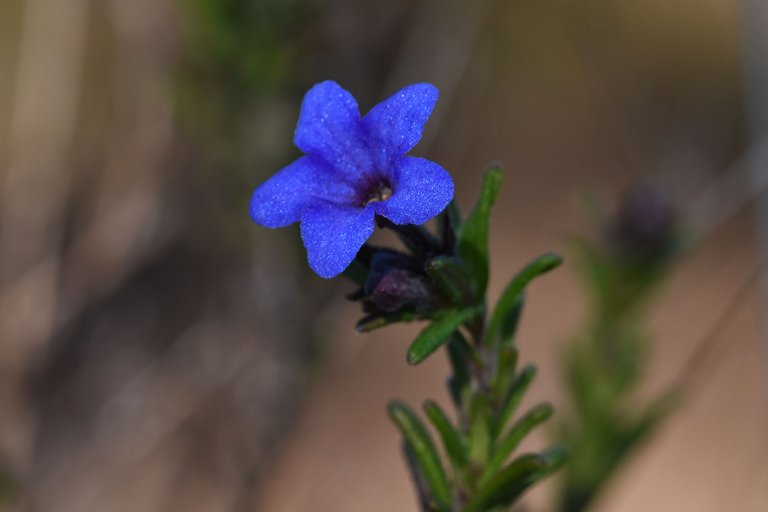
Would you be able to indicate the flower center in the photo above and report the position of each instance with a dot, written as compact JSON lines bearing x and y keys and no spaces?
{"x":377,"y":191}
{"x":381,"y":194}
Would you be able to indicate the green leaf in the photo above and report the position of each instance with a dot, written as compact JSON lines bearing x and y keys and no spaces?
{"x":512,"y":439}
{"x":452,"y":277}
{"x":505,"y":373}
{"x":438,"y":332}
{"x":448,"y":225}
{"x":505,"y":317}
{"x":555,"y":457}
{"x":509,"y":322}
{"x":514,"y":396}
{"x":454,"y":445}
{"x":417,"y":476}
{"x":508,"y":484}
{"x":372,"y":322}
{"x":461,"y":379}
{"x":424,"y":452}
{"x":479,"y":444}
{"x":473,"y":235}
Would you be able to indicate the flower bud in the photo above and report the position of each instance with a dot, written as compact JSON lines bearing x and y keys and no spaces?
{"x":399,"y":288}
{"x":645,"y":227}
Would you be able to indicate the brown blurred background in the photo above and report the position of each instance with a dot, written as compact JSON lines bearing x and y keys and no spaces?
{"x":151,"y":353}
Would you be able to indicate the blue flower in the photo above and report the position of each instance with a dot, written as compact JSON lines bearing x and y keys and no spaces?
{"x":353,"y":168}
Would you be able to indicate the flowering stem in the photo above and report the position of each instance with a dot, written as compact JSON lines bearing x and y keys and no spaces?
{"x":443,"y":279}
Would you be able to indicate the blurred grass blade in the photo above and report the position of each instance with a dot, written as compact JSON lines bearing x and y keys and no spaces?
{"x":9,"y":489}
{"x":424,"y":452}
{"x":473,"y":235}
{"x":512,"y":439}
{"x":507,"y":485}
{"x":454,"y":445}
{"x":438,"y":332}
{"x":504,"y":319}
{"x":514,"y":397}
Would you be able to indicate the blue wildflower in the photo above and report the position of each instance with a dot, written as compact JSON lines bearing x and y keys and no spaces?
{"x":353,"y":168}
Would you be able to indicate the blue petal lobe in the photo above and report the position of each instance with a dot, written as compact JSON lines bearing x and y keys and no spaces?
{"x":396,"y":123}
{"x":330,"y":129}
{"x":333,"y":234}
{"x":421,"y":190}
{"x":283,"y":198}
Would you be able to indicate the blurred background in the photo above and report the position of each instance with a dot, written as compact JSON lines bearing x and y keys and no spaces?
{"x":159,"y":352}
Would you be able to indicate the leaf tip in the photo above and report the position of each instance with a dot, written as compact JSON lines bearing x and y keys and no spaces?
{"x":395,"y":408}
{"x":550,"y":261}
{"x":414,"y":358}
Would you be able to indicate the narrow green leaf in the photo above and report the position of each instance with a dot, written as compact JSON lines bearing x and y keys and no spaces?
{"x":505,"y":373}
{"x":448,"y":226}
{"x":424,"y":452}
{"x":452,"y":442}
{"x":452,"y":277}
{"x":508,"y":324}
{"x":508,"y":484}
{"x":504,"y":318}
{"x":461,"y":379}
{"x":555,"y":457}
{"x":371,"y":322}
{"x":512,"y":439}
{"x":417,"y":477}
{"x":438,"y":332}
{"x":479,"y":444}
{"x":473,"y":235}
{"x":514,"y":396}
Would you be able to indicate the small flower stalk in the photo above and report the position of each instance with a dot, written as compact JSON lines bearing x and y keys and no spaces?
{"x":356,"y":175}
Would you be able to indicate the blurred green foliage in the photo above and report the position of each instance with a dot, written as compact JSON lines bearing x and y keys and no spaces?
{"x":8,"y":489}
{"x":237,"y":51}
{"x":236,"y":69}
{"x":603,"y":365}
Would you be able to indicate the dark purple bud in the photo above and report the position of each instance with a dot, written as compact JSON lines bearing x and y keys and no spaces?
{"x":645,"y":227}
{"x":384,"y":261}
{"x":399,"y":288}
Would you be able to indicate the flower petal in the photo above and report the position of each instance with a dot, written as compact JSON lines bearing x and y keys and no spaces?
{"x":283,"y":198}
{"x":333,"y":234}
{"x":396,"y":124}
{"x":421,"y":190}
{"x":329,"y":128}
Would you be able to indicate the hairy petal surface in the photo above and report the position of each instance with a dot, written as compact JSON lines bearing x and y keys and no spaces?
{"x":333,"y":234}
{"x":330,"y":129}
{"x":421,"y":190}
{"x":283,"y":198}
{"x":395,"y":125}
